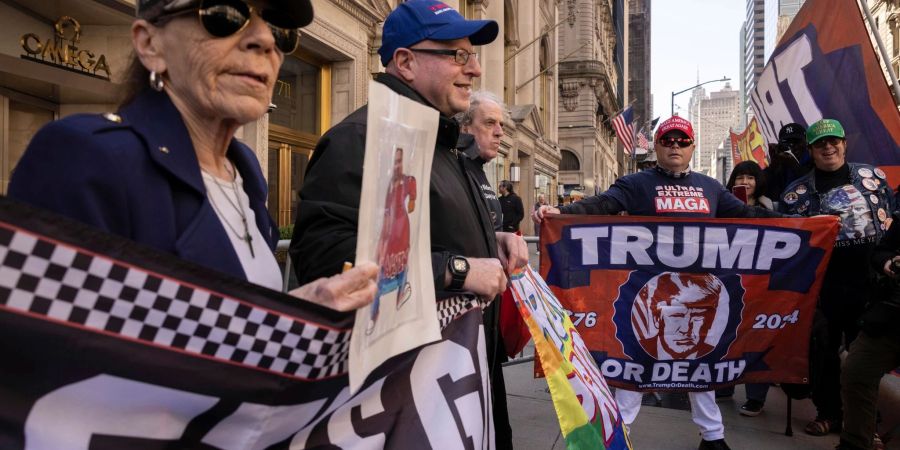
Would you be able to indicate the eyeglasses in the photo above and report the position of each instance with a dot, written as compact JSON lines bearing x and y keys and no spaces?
{"x":830,"y":140}
{"x":223,"y":18}
{"x":460,"y":56}
{"x":672,"y":141}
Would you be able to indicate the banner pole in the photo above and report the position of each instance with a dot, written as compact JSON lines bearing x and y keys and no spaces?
{"x":884,"y":54}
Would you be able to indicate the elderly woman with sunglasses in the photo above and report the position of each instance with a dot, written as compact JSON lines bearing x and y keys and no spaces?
{"x":166,"y":171}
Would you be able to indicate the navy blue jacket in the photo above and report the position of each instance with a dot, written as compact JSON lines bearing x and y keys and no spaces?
{"x":138,"y":178}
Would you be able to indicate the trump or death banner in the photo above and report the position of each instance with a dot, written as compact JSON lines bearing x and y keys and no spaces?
{"x":749,"y":145}
{"x":826,"y":67}
{"x":394,"y":231}
{"x":109,"y":345}
{"x":588,"y":415}
{"x":687,"y":304}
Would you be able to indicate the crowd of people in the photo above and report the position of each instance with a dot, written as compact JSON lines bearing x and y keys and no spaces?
{"x":810,"y":176}
{"x":167,"y":171}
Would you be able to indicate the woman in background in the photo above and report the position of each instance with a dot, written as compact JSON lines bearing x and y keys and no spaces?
{"x":750,"y":175}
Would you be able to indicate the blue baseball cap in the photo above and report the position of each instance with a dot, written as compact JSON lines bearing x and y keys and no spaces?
{"x":417,"y":20}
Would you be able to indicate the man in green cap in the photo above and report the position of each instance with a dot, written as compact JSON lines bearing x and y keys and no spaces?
{"x":860,"y":196}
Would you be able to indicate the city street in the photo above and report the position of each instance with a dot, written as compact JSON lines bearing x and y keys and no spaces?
{"x":669,"y":427}
{"x":535,"y":426}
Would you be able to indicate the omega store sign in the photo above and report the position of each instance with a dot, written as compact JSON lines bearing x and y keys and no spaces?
{"x":61,"y":50}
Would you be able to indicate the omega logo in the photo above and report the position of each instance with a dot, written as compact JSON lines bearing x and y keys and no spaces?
{"x":61,"y":50}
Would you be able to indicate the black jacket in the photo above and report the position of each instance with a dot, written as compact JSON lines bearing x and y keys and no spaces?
{"x":475,"y":167}
{"x":513,"y":212}
{"x":883,"y":314}
{"x":325,"y":231}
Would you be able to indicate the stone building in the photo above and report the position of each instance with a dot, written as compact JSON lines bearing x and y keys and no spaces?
{"x":530,"y":154}
{"x":593,"y":85}
{"x":639,"y":65}
{"x":639,"y":59}
{"x":886,"y":14}
{"x":713,"y":116}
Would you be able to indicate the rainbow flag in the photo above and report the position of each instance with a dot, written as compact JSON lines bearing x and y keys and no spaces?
{"x":588,"y":414}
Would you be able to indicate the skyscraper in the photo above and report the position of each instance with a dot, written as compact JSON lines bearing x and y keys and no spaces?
{"x":712,"y":116}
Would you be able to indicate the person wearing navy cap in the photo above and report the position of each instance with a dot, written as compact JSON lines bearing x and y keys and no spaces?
{"x":428,"y":50}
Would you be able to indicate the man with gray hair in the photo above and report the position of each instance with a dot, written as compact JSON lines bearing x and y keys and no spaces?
{"x":481,"y":129}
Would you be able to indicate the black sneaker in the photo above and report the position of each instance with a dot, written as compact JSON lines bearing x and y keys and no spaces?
{"x":718,"y":444}
{"x":752,"y":408}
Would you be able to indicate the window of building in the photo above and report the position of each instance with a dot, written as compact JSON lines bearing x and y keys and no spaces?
{"x":546,"y":80}
{"x":21,"y":116}
{"x":302,"y":113}
{"x":569,"y":161}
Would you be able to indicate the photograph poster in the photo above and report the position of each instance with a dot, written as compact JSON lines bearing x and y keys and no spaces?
{"x":394,"y":232}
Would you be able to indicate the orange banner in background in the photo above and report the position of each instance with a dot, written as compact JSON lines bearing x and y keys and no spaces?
{"x":750,"y":145}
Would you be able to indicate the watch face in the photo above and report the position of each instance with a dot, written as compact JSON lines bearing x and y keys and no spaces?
{"x":460,"y":265}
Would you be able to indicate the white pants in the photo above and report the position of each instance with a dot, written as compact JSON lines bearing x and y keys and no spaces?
{"x":704,"y":411}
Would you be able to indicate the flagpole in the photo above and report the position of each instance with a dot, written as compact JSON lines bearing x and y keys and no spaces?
{"x":884,"y":54}
{"x":608,"y":118}
{"x":633,"y":164}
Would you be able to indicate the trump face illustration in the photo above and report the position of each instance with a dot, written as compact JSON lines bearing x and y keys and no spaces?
{"x":680,"y":315}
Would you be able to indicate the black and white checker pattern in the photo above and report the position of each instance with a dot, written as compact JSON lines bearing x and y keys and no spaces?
{"x":453,"y":307}
{"x":62,"y":283}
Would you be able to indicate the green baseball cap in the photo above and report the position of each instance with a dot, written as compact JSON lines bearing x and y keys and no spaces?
{"x":824,"y":128}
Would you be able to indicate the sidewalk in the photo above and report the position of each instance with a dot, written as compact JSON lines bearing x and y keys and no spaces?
{"x":535,"y":426}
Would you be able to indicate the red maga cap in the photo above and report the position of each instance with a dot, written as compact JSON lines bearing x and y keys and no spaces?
{"x":675,"y":123}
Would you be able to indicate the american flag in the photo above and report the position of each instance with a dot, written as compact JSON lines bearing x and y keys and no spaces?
{"x":625,"y":129}
{"x":642,"y":141}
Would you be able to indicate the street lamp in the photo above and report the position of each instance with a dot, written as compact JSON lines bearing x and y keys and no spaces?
{"x":672,"y":111}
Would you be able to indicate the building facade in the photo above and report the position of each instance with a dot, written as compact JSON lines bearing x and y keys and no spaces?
{"x":713,"y":116}
{"x":886,"y":14}
{"x":527,"y":76}
{"x":592,"y":90}
{"x":753,"y":56}
{"x":639,"y":60}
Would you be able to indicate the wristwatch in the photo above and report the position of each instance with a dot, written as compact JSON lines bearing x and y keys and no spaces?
{"x":459,"y":268}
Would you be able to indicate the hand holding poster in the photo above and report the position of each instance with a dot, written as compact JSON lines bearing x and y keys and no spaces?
{"x":587,"y":411}
{"x":394,"y":231}
{"x":687,"y":304}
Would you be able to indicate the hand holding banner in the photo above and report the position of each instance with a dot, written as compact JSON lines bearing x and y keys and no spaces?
{"x":688,"y":304}
{"x":587,"y":411}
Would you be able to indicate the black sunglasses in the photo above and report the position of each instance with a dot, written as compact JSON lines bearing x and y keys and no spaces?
{"x":828,"y":140}
{"x":223,"y":18}
{"x":668,"y":141}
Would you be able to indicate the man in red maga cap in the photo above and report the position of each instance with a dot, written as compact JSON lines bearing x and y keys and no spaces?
{"x":671,"y":189}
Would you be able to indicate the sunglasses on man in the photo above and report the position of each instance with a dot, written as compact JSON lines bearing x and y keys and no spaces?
{"x":671,"y":141}
{"x":223,"y":18}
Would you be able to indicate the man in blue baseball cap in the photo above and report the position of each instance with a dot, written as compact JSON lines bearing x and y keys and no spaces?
{"x":428,"y":50}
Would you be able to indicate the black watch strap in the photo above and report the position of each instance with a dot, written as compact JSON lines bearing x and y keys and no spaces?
{"x":458,"y":267}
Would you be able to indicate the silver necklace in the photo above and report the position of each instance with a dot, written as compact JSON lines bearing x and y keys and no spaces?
{"x":237,"y":207}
